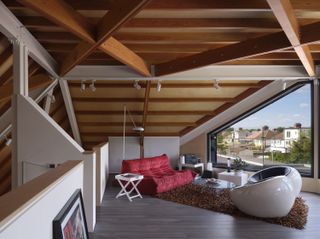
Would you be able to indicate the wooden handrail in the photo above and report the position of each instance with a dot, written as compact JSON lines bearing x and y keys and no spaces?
{"x":21,"y":197}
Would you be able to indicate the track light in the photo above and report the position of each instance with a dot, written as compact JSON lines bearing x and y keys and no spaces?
{"x":83,"y":86}
{"x":284,"y":85}
{"x":92,"y":86}
{"x":158,"y":86}
{"x":8,"y":141}
{"x":216,"y":84}
{"x":53,"y":99}
{"x":136,"y":85}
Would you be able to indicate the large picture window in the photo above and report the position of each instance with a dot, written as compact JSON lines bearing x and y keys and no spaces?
{"x":278,"y":132}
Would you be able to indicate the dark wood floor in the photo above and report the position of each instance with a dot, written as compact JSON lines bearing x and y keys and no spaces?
{"x":154,"y":219}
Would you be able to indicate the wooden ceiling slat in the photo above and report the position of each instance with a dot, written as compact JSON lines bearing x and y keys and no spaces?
{"x":158,"y":100}
{"x":110,"y":124}
{"x":179,"y":112}
{"x":206,"y":23}
{"x":182,"y":4}
{"x":225,"y":106}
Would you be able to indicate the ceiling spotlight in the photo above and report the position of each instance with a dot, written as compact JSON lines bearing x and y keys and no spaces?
{"x":158,"y":86}
{"x":53,"y":99}
{"x":92,"y":86}
{"x":136,"y":85}
{"x":216,"y":84}
{"x":83,"y":86}
{"x":284,"y":85}
{"x":8,"y":141}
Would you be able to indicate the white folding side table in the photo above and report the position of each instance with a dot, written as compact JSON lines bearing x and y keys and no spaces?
{"x":130,"y":179}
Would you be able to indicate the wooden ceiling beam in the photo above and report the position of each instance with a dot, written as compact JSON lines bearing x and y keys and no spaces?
{"x":224,"y":107}
{"x":108,"y":134}
{"x":38,"y":81}
{"x":153,"y":100}
{"x":120,"y":112}
{"x":245,"y":49}
{"x":284,"y":13}
{"x":206,"y":23}
{"x":64,"y":15}
{"x":154,"y":124}
{"x":93,"y":36}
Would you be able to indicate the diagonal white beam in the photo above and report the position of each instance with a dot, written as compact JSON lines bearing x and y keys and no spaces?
{"x":70,"y":110}
{"x":48,"y":101}
{"x":237,"y":72}
{"x":6,"y":118}
{"x":13,"y":29}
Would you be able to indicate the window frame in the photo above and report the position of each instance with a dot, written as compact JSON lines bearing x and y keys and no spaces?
{"x":261,"y":106}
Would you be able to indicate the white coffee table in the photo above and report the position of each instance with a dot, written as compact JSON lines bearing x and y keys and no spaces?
{"x":238,"y":179}
{"x":130,"y":179}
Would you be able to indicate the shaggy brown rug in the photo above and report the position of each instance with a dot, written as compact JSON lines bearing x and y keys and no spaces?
{"x":220,"y":201}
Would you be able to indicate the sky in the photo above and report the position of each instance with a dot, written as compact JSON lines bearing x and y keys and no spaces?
{"x":291,"y":109}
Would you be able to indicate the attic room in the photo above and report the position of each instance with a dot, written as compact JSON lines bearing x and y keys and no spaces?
{"x":159,"y":119}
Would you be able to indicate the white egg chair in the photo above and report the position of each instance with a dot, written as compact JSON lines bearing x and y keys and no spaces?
{"x":269,"y":193}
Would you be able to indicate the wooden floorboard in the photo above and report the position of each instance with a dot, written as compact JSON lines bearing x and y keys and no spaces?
{"x":154,"y":219}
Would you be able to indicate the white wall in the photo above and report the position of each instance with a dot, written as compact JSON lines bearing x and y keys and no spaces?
{"x":102,"y":170}
{"x":42,"y":141}
{"x":153,"y":146}
{"x":35,"y":220}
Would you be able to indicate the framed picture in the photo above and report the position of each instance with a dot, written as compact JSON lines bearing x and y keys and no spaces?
{"x":71,"y":223}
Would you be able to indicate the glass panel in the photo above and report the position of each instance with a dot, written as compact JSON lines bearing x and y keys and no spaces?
{"x":279,"y":134}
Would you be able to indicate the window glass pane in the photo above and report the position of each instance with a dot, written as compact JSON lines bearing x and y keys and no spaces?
{"x":279,"y":134}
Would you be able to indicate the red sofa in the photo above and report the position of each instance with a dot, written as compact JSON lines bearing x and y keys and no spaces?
{"x":158,"y":175}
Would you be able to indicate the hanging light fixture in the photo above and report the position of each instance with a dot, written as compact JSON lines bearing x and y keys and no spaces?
{"x":216,"y":84}
{"x":159,"y":86}
{"x":83,"y":85}
{"x":135,"y":129}
{"x":136,"y":85}
{"x":92,"y":86}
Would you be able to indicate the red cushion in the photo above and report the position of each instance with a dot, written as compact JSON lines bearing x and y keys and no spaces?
{"x":158,"y":175}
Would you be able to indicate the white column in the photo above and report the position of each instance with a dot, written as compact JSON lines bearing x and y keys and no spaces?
{"x":20,"y":87}
{"x":70,"y":110}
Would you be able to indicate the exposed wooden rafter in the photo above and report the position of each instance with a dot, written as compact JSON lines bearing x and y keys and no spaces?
{"x":284,"y":13}
{"x":93,"y":37}
{"x":245,"y":49}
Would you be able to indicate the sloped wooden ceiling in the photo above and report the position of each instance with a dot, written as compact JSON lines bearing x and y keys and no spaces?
{"x":169,"y":29}
{"x":172,"y":35}
{"x":179,"y":107}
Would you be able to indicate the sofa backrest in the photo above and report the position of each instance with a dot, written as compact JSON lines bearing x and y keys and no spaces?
{"x":146,"y":164}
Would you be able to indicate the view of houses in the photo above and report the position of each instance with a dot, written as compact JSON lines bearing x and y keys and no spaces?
{"x":266,"y":146}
